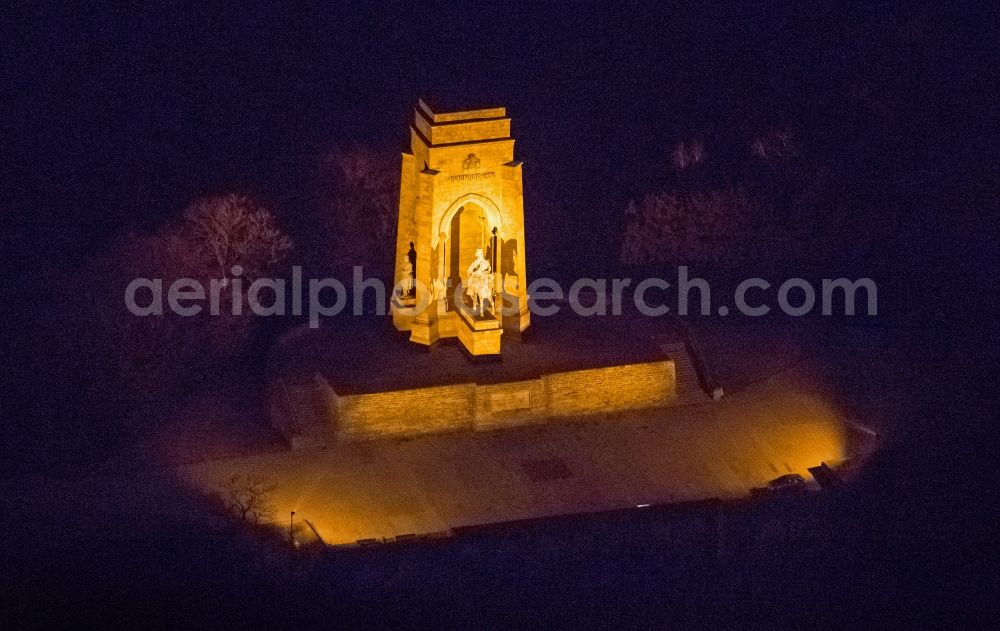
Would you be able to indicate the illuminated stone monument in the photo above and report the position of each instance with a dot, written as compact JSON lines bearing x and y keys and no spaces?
{"x":460,"y":246}
{"x":460,"y":273}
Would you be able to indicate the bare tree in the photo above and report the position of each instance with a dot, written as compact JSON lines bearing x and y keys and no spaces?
{"x":741,"y":224}
{"x":249,"y":498}
{"x":359,"y":203}
{"x":683,"y":228}
{"x":143,"y":366}
{"x":233,"y":229}
{"x":688,"y":154}
{"x":774,"y":144}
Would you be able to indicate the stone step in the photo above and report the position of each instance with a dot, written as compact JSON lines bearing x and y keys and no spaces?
{"x":308,"y":423}
{"x":309,"y":410}
{"x":689,"y":388}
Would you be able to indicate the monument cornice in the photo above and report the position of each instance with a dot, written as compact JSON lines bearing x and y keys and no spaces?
{"x":461,"y":121}
{"x":441,"y":145}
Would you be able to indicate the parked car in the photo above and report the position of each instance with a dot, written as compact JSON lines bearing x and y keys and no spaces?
{"x":787,"y":482}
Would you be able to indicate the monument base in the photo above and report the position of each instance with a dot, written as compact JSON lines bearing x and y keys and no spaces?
{"x":520,"y":320}
{"x":472,"y":406}
{"x":479,"y":335}
{"x":400,"y":309}
{"x":375,"y":386}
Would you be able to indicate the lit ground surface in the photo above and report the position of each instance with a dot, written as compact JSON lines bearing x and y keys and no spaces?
{"x":433,"y":484}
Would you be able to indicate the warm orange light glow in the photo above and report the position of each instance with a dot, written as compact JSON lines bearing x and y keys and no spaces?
{"x":384,"y":489}
{"x":471,"y":406}
{"x":460,"y":193}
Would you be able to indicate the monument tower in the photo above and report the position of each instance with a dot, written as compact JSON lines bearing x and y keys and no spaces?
{"x":460,"y":245}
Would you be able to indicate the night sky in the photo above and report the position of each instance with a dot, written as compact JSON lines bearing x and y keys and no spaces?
{"x":115,"y":119}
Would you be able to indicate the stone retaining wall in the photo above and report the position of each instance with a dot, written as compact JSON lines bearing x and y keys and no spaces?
{"x":471,"y":406}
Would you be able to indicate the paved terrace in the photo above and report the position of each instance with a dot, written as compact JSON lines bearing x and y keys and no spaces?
{"x":384,"y":489}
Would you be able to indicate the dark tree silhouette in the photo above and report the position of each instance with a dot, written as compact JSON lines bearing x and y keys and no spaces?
{"x":249,"y":498}
{"x":226,"y":230}
{"x":139,"y":363}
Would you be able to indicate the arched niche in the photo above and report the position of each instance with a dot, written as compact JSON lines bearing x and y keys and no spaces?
{"x":490,"y":209}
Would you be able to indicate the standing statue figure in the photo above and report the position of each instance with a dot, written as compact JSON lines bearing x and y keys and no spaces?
{"x":479,"y":283}
{"x":407,"y":285}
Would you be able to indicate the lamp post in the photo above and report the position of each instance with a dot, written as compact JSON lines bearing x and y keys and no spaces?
{"x":291,"y":530}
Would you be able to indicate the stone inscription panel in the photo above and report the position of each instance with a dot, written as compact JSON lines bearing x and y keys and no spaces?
{"x":507,"y":401}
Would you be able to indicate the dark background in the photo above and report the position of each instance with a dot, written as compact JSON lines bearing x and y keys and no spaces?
{"x":113,"y":120}
{"x":116,"y":119}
